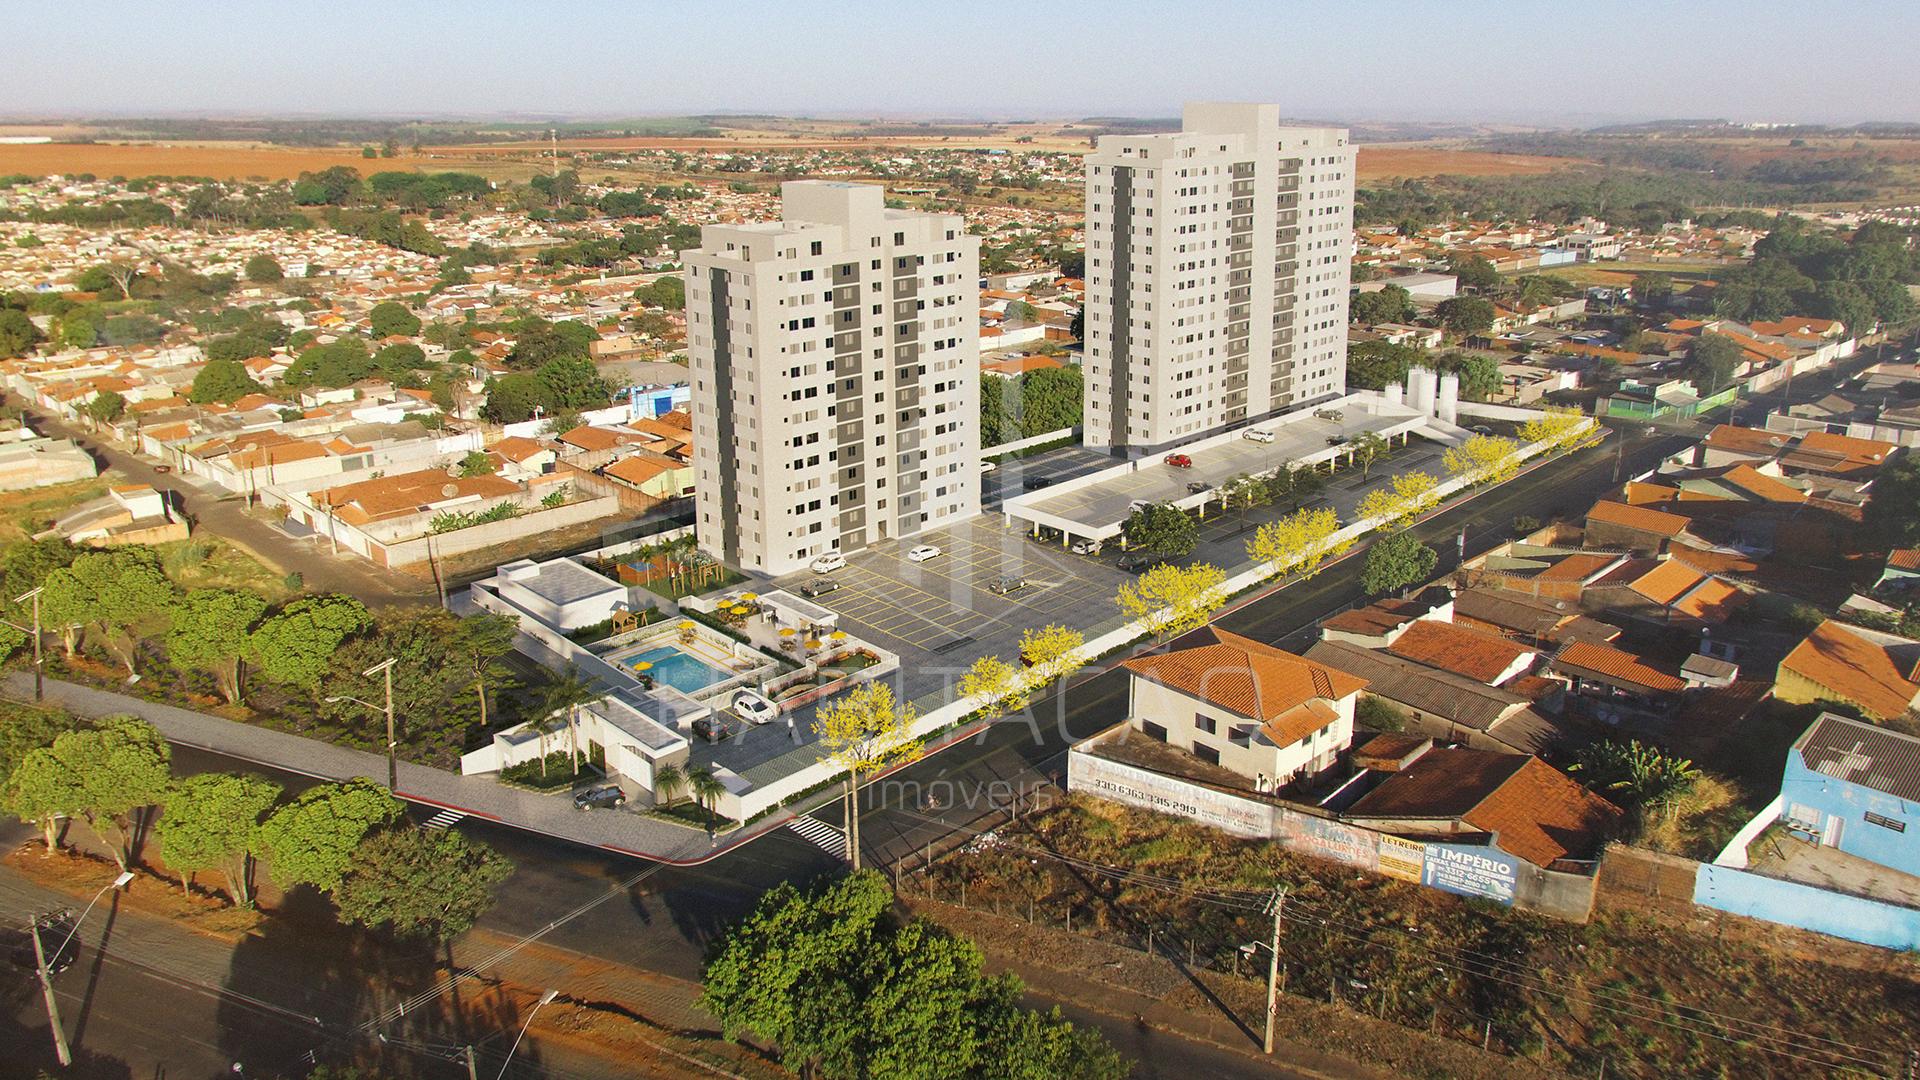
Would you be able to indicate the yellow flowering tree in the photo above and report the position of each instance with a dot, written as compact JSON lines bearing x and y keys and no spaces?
{"x":863,"y":732}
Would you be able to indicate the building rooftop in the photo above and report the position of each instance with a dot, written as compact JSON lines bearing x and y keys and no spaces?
{"x":1872,"y":670}
{"x":1247,"y":677}
{"x":1864,"y":754}
{"x":559,"y":581}
{"x":1475,"y":654}
{"x":1531,"y":809}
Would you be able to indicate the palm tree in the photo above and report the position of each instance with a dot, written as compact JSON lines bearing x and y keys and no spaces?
{"x":565,"y":695}
{"x":707,"y":790}
{"x":645,"y":553}
{"x":668,"y":781}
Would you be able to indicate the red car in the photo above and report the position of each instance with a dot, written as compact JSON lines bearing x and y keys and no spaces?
{"x":1180,"y":461}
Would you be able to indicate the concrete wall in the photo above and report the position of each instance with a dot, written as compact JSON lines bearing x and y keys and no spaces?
{"x":474,"y":538}
{"x":1790,"y":903}
{"x":1032,"y":440}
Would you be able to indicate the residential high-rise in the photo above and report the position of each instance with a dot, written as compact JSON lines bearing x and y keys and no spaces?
{"x":1217,"y":267}
{"x":835,"y":363}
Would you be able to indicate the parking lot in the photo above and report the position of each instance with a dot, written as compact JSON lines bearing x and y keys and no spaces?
{"x":944,"y":606}
{"x":1010,"y":478}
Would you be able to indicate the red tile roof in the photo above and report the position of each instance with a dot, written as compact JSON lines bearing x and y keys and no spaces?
{"x":1658,"y":522}
{"x":1533,"y":810}
{"x":1253,"y":680}
{"x":1475,"y":654}
{"x":1618,"y":665}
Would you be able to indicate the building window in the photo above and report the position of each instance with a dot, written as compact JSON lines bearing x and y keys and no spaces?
{"x":1205,"y":723}
{"x":1206,"y":753}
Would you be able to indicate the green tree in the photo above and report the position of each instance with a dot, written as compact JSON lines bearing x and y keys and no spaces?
{"x":482,"y":642}
{"x":996,"y":426}
{"x":110,"y":775}
{"x":1712,"y":362}
{"x":390,"y":318}
{"x":1376,"y":365}
{"x":1892,"y":513}
{"x":1050,"y":399}
{"x":264,"y":269}
{"x":1387,"y":304}
{"x":1534,"y":291}
{"x":420,"y":883}
{"x":478,"y":463}
{"x":1395,"y":562}
{"x":223,"y":381}
{"x":211,"y":631}
{"x":312,"y":840}
{"x":1640,"y":777}
{"x":1474,"y":272}
{"x":862,"y":732}
{"x":18,"y":335}
{"x":1479,"y":375}
{"x":668,"y":292}
{"x":212,"y":822}
{"x":1468,"y":315}
{"x":111,"y":593}
{"x":1367,"y":450}
{"x":1653,"y":288}
{"x":1161,"y":528}
{"x":106,"y":407}
{"x":294,"y":645}
{"x":77,"y":329}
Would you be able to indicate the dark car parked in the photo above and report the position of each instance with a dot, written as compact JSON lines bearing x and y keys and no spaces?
{"x":603,"y":797}
{"x":1035,"y":483}
{"x":1140,"y":562}
{"x":715,"y":728}
{"x":819,"y":587}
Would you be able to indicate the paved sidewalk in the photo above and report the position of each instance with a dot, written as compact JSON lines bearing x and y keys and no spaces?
{"x":551,"y":815}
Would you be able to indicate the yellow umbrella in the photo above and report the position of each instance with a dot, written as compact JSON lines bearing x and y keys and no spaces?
{"x":813,"y":643}
{"x":749,"y":597}
{"x":739,"y":609}
{"x":787,"y":631}
{"x":837,"y":635}
{"x":642,"y":665}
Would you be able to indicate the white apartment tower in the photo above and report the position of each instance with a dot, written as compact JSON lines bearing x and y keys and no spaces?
{"x":1217,"y":268}
{"x":835,"y":362}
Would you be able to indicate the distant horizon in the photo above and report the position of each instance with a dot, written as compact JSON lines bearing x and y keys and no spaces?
{"x":1416,"y":62}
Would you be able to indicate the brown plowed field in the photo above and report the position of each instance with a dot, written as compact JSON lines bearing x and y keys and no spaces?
{"x":246,"y":161}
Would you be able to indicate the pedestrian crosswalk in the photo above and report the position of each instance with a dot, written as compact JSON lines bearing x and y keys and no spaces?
{"x":824,"y":836}
{"x":445,"y":819}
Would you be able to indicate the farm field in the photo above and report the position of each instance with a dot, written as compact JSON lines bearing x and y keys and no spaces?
{"x":243,"y":161}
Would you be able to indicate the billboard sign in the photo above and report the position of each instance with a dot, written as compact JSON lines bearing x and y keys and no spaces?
{"x":1485,"y":872}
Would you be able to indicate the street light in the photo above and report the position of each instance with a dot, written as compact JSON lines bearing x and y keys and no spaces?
{"x":39,"y":685}
{"x":545,"y":999}
{"x":60,"y":1050}
{"x":384,"y":668}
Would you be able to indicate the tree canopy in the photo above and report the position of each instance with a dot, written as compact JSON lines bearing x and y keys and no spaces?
{"x":312,"y":839}
{"x":420,"y":883}
{"x":1395,"y":562}
{"x":222,"y":380}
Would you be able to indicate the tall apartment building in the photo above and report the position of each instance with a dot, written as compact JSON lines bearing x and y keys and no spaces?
{"x":1217,"y":268}
{"x":835,"y":363}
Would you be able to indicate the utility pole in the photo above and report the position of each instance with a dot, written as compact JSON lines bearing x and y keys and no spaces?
{"x":385,"y":667}
{"x":60,"y":1051}
{"x":1278,"y":905}
{"x":473,"y":1068}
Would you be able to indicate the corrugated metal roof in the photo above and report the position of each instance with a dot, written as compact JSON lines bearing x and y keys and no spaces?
{"x":1863,"y":754}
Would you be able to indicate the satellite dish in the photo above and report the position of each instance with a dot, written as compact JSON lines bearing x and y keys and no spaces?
{"x":450,"y":490}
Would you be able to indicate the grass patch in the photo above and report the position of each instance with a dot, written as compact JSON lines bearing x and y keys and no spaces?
{"x":209,"y":561}
{"x":23,"y":513}
{"x":558,"y":770}
{"x":675,"y":587}
{"x":686,"y":813}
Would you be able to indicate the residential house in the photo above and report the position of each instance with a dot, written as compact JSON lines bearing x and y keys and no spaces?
{"x":1869,"y":670}
{"x":1449,"y":706}
{"x":1261,"y":712}
{"x":1855,"y":787}
{"x":1616,"y":526}
{"x":127,"y":514}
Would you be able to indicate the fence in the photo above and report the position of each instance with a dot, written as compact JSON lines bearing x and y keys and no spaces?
{"x":476,"y":537}
{"x":1742,"y":892}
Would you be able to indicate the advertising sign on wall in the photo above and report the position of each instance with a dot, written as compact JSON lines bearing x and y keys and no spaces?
{"x":1403,"y":859}
{"x":1329,"y":840}
{"x":1486,"y":872}
{"x":1123,"y":783}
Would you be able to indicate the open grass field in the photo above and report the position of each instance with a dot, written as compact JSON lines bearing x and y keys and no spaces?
{"x":1401,"y":162}
{"x":222,"y":161}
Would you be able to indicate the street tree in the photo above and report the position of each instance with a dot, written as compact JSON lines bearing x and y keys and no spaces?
{"x":1172,"y":599}
{"x":1302,"y":541}
{"x":1712,"y":362}
{"x":863,"y":732}
{"x":1398,"y":504}
{"x":212,"y":822}
{"x":106,"y":407}
{"x":295,"y":645}
{"x":312,"y":839}
{"x":1000,"y":687}
{"x":1052,"y":652}
{"x":1395,"y":562}
{"x":1366,"y":450}
{"x":108,"y":593}
{"x":108,"y":775}
{"x":210,"y":630}
{"x":420,"y":883}
{"x":1483,"y":458}
{"x":1555,"y":426}
{"x":1161,"y":528}
{"x":482,"y":642}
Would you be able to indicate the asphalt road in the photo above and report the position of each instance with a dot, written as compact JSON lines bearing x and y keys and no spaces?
{"x":226,"y":516}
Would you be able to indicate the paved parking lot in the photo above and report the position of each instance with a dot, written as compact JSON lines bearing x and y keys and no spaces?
{"x":1063,"y":463}
{"x":943,"y":608}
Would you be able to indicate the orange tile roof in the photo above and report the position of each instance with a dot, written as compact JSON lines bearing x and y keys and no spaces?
{"x":1475,"y":654}
{"x":1299,"y":722}
{"x":1712,"y":600}
{"x":588,"y":437}
{"x":1658,"y":522}
{"x":1854,"y":668}
{"x":517,"y":448}
{"x":1020,"y":365}
{"x":1667,"y":582}
{"x":1745,"y":440}
{"x":1760,"y":485}
{"x":1858,"y":453}
{"x":1904,"y":558}
{"x":640,"y":468}
{"x":1578,"y":566}
{"x":1620,"y":665}
{"x":1533,"y":810}
{"x":1254,"y":680}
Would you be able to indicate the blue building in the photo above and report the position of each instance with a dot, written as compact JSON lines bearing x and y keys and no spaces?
{"x":1855,"y":786}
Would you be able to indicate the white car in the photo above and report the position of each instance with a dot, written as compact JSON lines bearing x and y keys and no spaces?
{"x":923,"y":553}
{"x":1085,"y":547}
{"x":828,"y":563}
{"x":988,"y":466}
{"x":753,"y":706}
{"x":1257,"y":435}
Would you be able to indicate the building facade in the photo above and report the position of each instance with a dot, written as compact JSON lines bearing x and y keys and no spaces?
{"x":835,"y":371}
{"x":1856,"y":787}
{"x":1216,"y":284}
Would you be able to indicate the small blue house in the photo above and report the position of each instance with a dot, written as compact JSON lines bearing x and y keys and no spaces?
{"x":1855,"y":786}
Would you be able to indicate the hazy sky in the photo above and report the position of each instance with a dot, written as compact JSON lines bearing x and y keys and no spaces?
{"x":1516,"y":60}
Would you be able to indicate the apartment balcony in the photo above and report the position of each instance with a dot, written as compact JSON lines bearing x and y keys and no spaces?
{"x":1236,"y":349}
{"x":1237,"y":313}
{"x":1235,"y":381}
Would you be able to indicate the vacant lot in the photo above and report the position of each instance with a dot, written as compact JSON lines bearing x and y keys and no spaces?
{"x":238,"y":161}
{"x":1403,"y":162}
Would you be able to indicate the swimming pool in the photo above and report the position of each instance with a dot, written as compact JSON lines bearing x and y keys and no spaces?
{"x":685,"y":673}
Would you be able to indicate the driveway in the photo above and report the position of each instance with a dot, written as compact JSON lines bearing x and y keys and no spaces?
{"x":225,"y":515}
